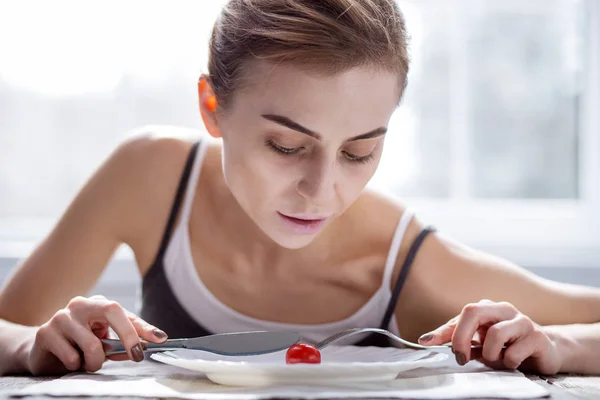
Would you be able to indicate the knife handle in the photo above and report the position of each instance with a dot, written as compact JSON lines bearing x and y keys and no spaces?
{"x":114,"y":346}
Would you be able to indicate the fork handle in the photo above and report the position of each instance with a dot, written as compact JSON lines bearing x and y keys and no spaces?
{"x":114,"y":346}
{"x":447,"y":348}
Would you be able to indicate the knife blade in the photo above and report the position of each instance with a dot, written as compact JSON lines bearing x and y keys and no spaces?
{"x":227,"y":344}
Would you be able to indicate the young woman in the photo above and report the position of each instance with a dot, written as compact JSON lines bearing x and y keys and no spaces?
{"x":272,"y":229}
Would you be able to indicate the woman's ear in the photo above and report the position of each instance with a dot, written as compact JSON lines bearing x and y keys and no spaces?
{"x":208,"y":106}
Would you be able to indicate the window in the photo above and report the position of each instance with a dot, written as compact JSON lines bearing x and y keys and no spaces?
{"x":497,"y":141}
{"x":497,"y":138}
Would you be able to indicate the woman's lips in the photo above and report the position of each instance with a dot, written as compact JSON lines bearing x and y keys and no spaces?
{"x":303,"y":225}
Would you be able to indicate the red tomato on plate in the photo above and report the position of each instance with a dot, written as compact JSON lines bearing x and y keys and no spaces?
{"x":302,"y":353}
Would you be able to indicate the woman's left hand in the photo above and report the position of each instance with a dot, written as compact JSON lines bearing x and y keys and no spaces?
{"x":495,"y":325}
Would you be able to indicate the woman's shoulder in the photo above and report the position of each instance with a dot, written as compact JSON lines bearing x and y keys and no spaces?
{"x":168,"y":143}
{"x":151,"y":160}
{"x":379,"y":213}
{"x":149,"y":164}
{"x":157,"y":152}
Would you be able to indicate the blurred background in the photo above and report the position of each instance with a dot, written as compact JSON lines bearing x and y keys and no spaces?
{"x":497,"y":141}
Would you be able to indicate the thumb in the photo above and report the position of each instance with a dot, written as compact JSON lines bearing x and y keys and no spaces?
{"x":440,"y":336}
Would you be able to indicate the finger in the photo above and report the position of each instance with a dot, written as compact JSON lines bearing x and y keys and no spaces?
{"x":118,"y":357}
{"x":147,"y":331}
{"x":88,"y":343}
{"x":441,"y":335}
{"x":499,"y":365}
{"x":98,"y":297}
{"x":472,"y":317}
{"x":504,"y":332}
{"x":479,"y":336}
{"x":117,"y":318}
{"x":476,"y":354}
{"x":477,"y":350}
{"x":525,"y":347}
{"x":55,"y":343}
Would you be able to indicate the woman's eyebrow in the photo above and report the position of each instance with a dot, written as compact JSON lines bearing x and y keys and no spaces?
{"x":288,"y":123}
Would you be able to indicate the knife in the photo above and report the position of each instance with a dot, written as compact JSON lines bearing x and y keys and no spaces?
{"x":227,"y":344}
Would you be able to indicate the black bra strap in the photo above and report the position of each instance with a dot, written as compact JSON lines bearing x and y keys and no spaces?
{"x":404,"y":274}
{"x":183,"y":182}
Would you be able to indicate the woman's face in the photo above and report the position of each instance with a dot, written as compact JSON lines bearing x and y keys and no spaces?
{"x":298,"y":149}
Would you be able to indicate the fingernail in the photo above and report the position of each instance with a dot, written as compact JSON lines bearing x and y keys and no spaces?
{"x":137,"y":353}
{"x":426,"y":338}
{"x":159,"y":334}
{"x":460,"y":358}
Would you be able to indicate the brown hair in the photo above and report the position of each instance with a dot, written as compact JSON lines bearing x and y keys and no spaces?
{"x":327,"y":36}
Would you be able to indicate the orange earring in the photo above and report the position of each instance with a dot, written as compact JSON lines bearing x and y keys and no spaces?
{"x":211,"y":103}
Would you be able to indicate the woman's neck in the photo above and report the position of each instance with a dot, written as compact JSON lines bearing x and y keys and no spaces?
{"x":227,"y":224}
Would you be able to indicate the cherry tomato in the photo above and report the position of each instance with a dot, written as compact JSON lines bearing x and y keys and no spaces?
{"x":303,"y":353}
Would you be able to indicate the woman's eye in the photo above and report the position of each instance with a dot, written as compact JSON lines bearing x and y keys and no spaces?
{"x":288,"y":151}
{"x":281,"y":149}
{"x":358,"y":159}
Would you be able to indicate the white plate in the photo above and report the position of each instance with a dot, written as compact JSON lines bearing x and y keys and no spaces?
{"x":339,"y":364}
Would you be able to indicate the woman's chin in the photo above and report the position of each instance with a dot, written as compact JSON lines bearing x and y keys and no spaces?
{"x":292,"y":241}
{"x":292,"y":235}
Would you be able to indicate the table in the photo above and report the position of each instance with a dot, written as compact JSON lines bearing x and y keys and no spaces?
{"x":561,"y":387}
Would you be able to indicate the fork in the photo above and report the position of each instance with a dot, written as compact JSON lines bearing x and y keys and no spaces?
{"x":445,"y":348}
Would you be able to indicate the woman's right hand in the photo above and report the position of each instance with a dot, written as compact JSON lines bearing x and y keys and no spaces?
{"x":70,"y":340}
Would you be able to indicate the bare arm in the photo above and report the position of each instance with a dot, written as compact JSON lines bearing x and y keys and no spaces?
{"x":126,"y":201}
{"x":14,"y":339}
{"x":447,"y":281}
{"x":578,"y":344}
{"x":69,"y":261}
{"x":446,"y":276}
{"x":128,"y":195}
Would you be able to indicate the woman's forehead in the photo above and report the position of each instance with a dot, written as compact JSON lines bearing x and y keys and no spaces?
{"x":359,"y":96}
{"x":267,"y":79}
